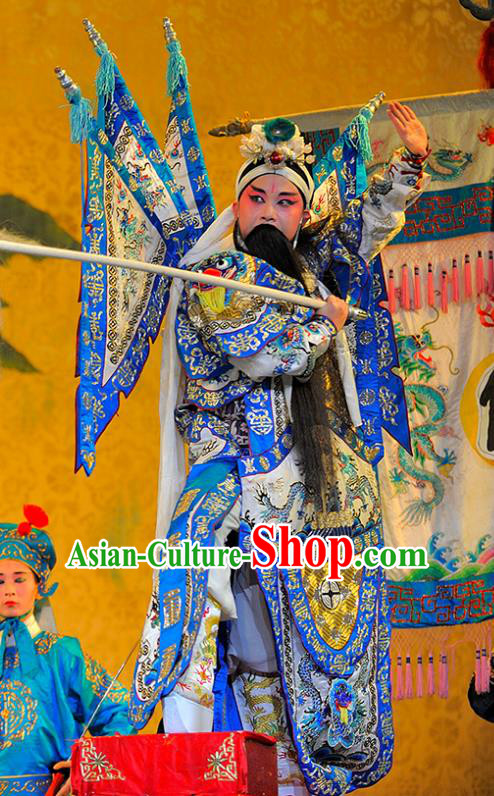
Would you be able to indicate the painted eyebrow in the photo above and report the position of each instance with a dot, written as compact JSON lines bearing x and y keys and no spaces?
{"x":282,"y":193}
{"x":21,"y":572}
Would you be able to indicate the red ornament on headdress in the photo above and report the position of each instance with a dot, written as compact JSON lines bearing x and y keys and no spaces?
{"x":275,"y":158}
{"x":35,"y":516}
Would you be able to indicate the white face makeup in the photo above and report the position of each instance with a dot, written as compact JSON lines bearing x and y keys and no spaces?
{"x":270,"y":199}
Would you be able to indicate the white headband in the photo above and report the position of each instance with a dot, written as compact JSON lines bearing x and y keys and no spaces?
{"x":303,"y":181}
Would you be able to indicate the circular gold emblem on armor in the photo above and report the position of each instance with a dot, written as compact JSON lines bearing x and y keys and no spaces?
{"x":17,"y":712}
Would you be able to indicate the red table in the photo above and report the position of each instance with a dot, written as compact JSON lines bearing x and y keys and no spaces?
{"x":189,"y":764}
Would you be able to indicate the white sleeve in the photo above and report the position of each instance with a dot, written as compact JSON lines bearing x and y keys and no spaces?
{"x":389,"y":194}
{"x":293,"y":353}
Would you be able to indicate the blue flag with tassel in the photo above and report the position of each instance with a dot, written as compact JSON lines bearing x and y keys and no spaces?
{"x":182,"y":149}
{"x":135,"y":207}
{"x":341,"y":179}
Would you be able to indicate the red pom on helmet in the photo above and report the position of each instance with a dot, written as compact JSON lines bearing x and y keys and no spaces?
{"x":35,"y":516}
{"x":24,"y":528}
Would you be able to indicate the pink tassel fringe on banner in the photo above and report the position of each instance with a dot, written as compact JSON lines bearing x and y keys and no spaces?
{"x":455,"y":282}
{"x":430,"y":676}
{"x":408,"y":678}
{"x":444,"y":291}
{"x":405,"y":287}
{"x":484,"y":671}
{"x":433,"y":671}
{"x":467,"y":273}
{"x":399,"y":679}
{"x":430,"y":286}
{"x":411,"y":294}
{"x":480,"y":274}
{"x":417,"y":300}
{"x":419,"y":682}
{"x":443,"y":677}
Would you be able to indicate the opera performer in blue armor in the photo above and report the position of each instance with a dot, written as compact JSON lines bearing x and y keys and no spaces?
{"x":48,"y":687}
{"x":273,"y":419}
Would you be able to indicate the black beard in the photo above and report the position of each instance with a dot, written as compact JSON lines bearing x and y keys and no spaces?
{"x":270,"y":244}
{"x":309,"y":420}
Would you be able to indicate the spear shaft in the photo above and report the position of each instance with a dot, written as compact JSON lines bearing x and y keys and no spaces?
{"x":36,"y":250}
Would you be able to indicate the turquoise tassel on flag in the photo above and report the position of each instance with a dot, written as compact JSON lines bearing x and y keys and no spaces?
{"x":364,"y":144}
{"x":81,"y":115}
{"x":81,"y":112}
{"x":105,"y":79}
{"x":358,"y":130}
{"x":177,"y":68}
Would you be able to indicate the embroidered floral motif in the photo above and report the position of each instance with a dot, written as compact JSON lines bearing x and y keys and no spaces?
{"x":95,"y":766}
{"x":222,"y":764}
{"x":197,"y":681}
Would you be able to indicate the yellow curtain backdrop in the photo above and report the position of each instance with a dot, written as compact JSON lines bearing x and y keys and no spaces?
{"x":270,"y":58}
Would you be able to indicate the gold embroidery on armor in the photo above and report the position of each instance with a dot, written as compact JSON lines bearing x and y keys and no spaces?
{"x":185,"y":502}
{"x":174,"y":539}
{"x":333,"y":604}
{"x":268,"y":719}
{"x":145,"y":664}
{"x":265,"y":706}
{"x":171,"y":608}
{"x":167,"y":661}
{"x":119,"y":335}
